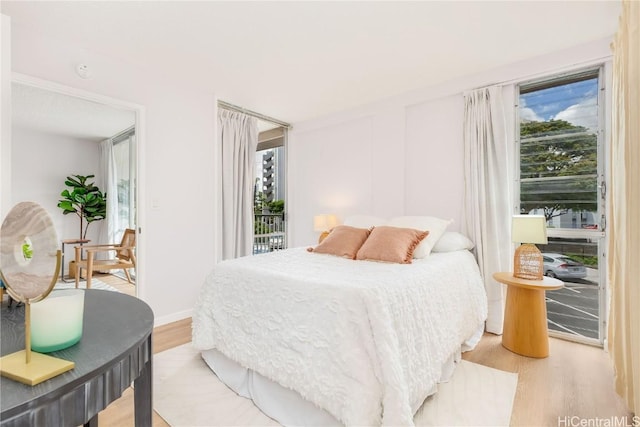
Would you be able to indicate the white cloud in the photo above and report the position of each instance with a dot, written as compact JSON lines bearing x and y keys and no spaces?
{"x":584,"y":113}
{"x":527,"y":114}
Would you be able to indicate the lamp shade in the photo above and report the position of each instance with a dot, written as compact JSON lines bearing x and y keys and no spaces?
{"x":324,"y":222}
{"x":529,"y":229}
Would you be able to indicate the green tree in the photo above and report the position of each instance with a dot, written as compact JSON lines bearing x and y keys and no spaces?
{"x":558,"y":167}
{"x":276,"y":206}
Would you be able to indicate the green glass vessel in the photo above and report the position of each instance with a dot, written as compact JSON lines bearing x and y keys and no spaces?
{"x":56,"y":321}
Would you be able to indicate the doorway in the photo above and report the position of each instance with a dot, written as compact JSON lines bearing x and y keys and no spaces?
{"x":269,"y":223}
{"x":59,"y":131}
{"x":269,"y":181}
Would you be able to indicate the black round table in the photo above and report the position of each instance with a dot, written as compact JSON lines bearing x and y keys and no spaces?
{"x":114,"y":351}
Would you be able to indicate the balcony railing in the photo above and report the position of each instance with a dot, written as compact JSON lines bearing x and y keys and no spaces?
{"x":268,"y":233}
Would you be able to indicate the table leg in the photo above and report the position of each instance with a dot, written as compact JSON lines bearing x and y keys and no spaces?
{"x":79,"y":243}
{"x":93,"y":422}
{"x":142,"y":393}
{"x":525,"y":322}
{"x":62,"y":266}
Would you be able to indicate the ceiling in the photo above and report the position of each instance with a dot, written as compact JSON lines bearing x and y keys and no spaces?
{"x":57,"y":114}
{"x":299,"y":60}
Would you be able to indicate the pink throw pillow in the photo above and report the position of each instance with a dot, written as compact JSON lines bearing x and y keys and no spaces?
{"x":391,"y":244}
{"x":343,"y":241}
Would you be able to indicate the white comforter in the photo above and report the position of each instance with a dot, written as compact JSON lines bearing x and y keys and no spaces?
{"x":365,"y":341}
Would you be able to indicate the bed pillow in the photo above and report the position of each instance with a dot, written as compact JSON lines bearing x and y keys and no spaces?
{"x":435,"y":226}
{"x":453,"y":241}
{"x":343,"y":241}
{"x":364,"y":221}
{"x":391,"y":244}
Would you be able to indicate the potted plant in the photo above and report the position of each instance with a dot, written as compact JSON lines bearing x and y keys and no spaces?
{"x":85,"y":200}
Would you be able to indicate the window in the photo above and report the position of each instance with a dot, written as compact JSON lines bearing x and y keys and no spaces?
{"x":562,"y":178}
{"x":559,"y":130}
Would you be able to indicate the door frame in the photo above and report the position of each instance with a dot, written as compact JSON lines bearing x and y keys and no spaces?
{"x":602,"y":234}
{"x":140,"y":113}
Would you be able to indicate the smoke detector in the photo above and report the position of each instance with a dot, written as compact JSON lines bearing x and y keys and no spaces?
{"x":83,"y":71}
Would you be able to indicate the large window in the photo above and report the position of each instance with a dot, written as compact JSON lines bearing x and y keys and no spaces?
{"x":561,"y":177}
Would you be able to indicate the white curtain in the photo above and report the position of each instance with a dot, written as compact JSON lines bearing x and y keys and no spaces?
{"x":109,"y":179}
{"x":488,"y":192}
{"x":624,"y":211}
{"x":238,"y":135}
{"x":123,"y":156}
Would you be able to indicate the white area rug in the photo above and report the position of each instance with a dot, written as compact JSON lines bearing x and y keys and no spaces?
{"x":95,"y":284}
{"x":476,"y":396}
{"x":187,"y":393}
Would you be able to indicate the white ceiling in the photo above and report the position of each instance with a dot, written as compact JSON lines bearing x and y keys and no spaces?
{"x":57,"y":114}
{"x":299,"y":60}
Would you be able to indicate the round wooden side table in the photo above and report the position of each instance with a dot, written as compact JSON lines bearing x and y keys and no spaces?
{"x":525,"y":319}
{"x":70,"y":242}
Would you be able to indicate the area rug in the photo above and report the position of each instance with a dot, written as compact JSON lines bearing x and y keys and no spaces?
{"x":187,"y":393}
{"x":95,"y":284}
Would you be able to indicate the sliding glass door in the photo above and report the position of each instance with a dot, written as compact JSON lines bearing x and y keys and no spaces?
{"x":269,"y":222}
{"x":124,"y":154}
{"x":561,"y":152}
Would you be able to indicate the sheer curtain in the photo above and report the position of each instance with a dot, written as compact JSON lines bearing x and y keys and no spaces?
{"x":488,"y":178}
{"x":238,"y":135}
{"x":123,"y":151}
{"x":109,"y":178}
{"x":624,"y":228}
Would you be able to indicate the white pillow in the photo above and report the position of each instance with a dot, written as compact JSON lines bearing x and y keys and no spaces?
{"x":452,"y":241}
{"x":364,"y":221}
{"x":435,"y":226}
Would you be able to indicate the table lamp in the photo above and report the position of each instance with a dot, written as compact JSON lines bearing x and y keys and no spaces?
{"x":527,"y":260}
{"x":323,"y":223}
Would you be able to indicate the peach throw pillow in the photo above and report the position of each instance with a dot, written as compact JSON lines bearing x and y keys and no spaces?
{"x":343,"y":241}
{"x":391,"y":244}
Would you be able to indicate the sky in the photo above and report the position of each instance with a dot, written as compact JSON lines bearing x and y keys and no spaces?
{"x":576,"y":103}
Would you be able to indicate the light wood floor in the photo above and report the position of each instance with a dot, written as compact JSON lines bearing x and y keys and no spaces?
{"x":120,"y":284}
{"x":575,"y":380}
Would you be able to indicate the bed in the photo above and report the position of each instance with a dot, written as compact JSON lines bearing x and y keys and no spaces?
{"x":358,"y":342}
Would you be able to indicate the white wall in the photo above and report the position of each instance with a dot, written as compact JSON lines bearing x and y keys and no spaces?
{"x":177,"y":239}
{"x":402,"y":155}
{"x":433,"y":162}
{"x":335,"y":169}
{"x":41,"y":162}
{"x":5,"y":112}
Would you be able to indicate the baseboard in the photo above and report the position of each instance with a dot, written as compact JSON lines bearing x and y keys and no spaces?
{"x":173,"y":317}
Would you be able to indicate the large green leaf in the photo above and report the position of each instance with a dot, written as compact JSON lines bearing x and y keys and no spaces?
{"x":83,"y":198}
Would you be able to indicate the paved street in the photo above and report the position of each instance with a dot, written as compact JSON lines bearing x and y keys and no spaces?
{"x":574,"y":308}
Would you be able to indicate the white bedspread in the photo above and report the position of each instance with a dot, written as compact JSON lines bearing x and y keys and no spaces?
{"x":363,"y":340}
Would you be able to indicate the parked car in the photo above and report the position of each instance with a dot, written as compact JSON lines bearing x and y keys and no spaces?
{"x":563,"y":267}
